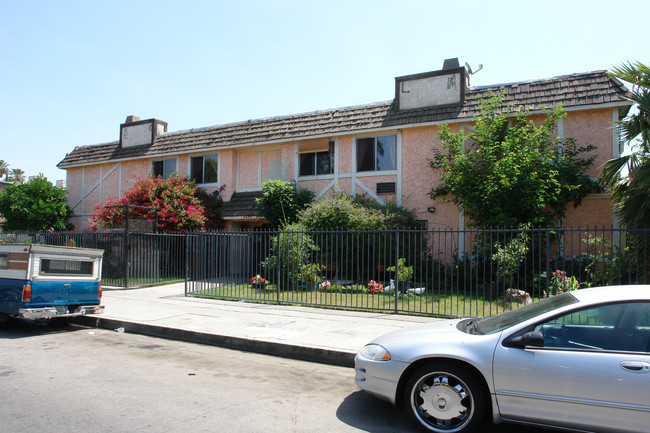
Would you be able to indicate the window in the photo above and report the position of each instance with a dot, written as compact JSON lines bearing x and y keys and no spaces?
{"x":315,"y":163}
{"x":377,"y":153}
{"x":164,"y":168}
{"x":615,"y":327}
{"x":66,"y":267}
{"x":204,"y":168}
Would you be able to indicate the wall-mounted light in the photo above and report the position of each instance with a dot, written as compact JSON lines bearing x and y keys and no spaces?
{"x":431,"y":209}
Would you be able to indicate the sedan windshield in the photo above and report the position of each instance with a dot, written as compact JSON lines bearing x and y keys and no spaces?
{"x":491,"y":325}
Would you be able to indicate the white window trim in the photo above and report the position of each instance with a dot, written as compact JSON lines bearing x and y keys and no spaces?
{"x":296,"y":165}
{"x":175,"y":159}
{"x":398,"y":156}
{"x":355,"y":175}
{"x":208,"y":184}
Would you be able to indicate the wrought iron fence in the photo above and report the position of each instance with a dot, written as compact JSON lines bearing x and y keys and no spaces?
{"x":443,"y":272}
{"x":131,"y":259}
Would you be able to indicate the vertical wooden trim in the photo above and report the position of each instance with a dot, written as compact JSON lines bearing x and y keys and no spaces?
{"x":560,"y":134}
{"x":398,"y":139}
{"x":616,"y":136}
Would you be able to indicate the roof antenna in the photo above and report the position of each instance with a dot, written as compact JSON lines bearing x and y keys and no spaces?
{"x":470,"y":72}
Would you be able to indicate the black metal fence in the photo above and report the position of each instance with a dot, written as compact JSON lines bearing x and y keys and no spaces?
{"x":131,"y":259}
{"x":442,"y":272}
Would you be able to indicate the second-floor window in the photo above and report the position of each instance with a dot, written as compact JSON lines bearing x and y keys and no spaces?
{"x":204,"y":168}
{"x":315,"y":163}
{"x":163,"y":168}
{"x":377,"y":153}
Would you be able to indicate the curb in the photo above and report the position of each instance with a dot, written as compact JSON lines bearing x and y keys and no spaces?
{"x":311,"y":354}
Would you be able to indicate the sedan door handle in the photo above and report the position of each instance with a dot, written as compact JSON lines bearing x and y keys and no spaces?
{"x":636,"y":366}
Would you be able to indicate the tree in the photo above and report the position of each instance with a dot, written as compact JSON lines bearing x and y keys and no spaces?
{"x":511,"y":171}
{"x":631,"y":191}
{"x":17,"y":175}
{"x":4,"y":169}
{"x":212,"y":206}
{"x":35,"y":205}
{"x":281,"y":202}
{"x":172,"y":201}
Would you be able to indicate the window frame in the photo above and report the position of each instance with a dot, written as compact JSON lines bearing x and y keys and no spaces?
{"x":376,"y":162}
{"x":202,"y":181}
{"x":584,"y":320}
{"x":165,"y":167}
{"x":314,"y":172}
{"x":49,"y":266}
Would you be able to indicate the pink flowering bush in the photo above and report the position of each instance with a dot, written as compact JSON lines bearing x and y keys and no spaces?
{"x":561,"y":282}
{"x":175,"y":199}
{"x":375,"y":287}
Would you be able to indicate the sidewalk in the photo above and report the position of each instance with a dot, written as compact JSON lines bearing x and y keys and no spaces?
{"x":307,"y":333}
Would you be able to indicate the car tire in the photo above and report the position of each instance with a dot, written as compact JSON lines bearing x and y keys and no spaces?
{"x":445,"y":398}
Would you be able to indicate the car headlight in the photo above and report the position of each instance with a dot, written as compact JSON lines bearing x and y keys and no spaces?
{"x":375,"y":352}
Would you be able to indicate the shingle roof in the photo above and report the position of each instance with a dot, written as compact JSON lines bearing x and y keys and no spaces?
{"x":586,"y":89}
{"x":241,"y":204}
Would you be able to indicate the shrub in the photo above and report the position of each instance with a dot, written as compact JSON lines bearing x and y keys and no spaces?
{"x":172,"y":201}
{"x":280,"y":202}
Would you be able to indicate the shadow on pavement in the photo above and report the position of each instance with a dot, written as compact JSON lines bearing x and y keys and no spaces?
{"x":367,"y":413}
{"x":16,"y":328}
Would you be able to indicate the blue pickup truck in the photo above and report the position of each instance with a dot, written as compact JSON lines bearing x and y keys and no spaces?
{"x":44,"y":282}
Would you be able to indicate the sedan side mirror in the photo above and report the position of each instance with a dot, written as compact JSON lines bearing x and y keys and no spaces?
{"x":533,"y":338}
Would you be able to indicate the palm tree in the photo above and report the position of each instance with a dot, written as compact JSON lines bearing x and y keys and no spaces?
{"x":631,"y":191}
{"x":4,"y":169}
{"x":18,"y":175}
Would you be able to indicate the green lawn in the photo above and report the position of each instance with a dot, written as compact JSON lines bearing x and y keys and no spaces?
{"x":432,"y":304}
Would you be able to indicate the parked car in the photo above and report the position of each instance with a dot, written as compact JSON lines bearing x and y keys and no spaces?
{"x":579,"y":360}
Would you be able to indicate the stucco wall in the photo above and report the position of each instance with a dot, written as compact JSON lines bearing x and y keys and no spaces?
{"x":247,"y":168}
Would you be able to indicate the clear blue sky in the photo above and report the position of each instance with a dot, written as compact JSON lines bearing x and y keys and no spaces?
{"x":71,"y":71}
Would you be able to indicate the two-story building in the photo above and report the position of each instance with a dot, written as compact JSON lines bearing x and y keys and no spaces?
{"x":381,"y":150}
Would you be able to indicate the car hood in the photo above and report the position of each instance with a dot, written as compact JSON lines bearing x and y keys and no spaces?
{"x":441,"y":337}
{"x":441,"y":329}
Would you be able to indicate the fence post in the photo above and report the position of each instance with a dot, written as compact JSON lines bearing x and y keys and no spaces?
{"x":126,"y":250}
{"x":397,"y":285}
{"x":548,"y":262}
{"x":279,"y":253}
{"x":187,"y":260}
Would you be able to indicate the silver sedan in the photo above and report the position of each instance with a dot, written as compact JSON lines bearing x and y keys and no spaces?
{"x":579,"y":360}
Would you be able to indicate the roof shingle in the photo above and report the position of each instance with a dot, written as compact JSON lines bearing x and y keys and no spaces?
{"x":575,"y":90}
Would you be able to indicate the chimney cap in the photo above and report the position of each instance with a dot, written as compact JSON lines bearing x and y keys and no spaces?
{"x":451,"y":64}
{"x":132,"y":118}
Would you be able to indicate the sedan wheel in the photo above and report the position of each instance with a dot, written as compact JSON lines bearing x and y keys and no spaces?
{"x":445,"y":398}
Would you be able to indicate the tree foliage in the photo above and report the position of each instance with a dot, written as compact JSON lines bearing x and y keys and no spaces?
{"x":508,"y":171}
{"x":340,"y":212}
{"x":35,"y":205}
{"x":212,"y":208}
{"x":281,"y":202}
{"x":173,"y":201}
{"x":629,"y":176}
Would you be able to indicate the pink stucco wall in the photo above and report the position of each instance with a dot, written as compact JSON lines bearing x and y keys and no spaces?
{"x":241,"y":169}
{"x":248,"y":170}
